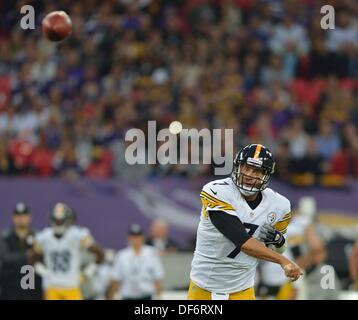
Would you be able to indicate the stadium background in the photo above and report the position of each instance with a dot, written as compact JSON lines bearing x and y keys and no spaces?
{"x":263,"y":68}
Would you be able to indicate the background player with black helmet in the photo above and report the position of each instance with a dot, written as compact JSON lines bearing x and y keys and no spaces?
{"x":241,"y":221}
{"x":14,"y":244}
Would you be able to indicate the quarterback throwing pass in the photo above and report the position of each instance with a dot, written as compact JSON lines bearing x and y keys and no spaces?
{"x":241,"y":221}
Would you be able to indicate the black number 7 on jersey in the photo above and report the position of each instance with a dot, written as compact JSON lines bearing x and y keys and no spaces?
{"x":251,"y":230}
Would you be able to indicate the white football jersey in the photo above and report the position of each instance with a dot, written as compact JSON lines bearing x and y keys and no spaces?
{"x":218,"y":266}
{"x":62,"y":256}
{"x":297,"y":230}
{"x":137,"y":272}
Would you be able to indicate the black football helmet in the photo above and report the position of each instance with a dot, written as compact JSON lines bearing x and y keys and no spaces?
{"x":60,"y":218}
{"x":258,"y":156}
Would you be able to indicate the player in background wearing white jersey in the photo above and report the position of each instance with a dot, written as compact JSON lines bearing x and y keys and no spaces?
{"x":241,"y":221}
{"x":89,"y":266}
{"x":300,"y":234}
{"x":137,"y":270}
{"x":59,"y":247}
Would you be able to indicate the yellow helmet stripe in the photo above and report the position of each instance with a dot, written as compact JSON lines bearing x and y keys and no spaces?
{"x":257,"y":151}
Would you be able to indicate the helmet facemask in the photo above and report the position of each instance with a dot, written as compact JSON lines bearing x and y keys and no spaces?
{"x":60,"y":221}
{"x":59,"y":227}
{"x":259,"y":184}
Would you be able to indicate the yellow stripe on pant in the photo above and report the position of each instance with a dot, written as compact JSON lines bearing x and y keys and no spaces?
{"x":63,"y":294}
{"x":197,"y":293}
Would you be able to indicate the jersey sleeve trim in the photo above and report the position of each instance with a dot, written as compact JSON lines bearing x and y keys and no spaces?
{"x":282,"y":224}
{"x":87,"y":241}
{"x":210,"y":202}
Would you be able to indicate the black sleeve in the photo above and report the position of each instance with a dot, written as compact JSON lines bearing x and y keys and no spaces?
{"x":230,"y":226}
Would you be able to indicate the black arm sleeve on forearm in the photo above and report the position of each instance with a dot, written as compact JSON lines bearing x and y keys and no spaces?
{"x":230,"y":226}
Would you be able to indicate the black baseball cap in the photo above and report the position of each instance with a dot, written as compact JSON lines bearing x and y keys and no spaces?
{"x":21,"y":208}
{"x":135,"y":230}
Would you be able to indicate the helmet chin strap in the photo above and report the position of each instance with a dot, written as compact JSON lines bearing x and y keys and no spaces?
{"x":248,"y":192}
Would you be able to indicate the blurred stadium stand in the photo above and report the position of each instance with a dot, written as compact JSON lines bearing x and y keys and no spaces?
{"x":265,"y":69}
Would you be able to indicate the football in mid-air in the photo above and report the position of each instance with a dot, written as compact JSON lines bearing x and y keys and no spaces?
{"x":57,"y":26}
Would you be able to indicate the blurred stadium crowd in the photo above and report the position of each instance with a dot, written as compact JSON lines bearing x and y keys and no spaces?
{"x":264,"y":68}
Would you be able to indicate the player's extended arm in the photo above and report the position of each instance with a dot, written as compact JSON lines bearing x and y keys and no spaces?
{"x":112,"y":290}
{"x":97,"y":251}
{"x":233,"y":229}
{"x":353,"y":262}
{"x":316,"y":253}
{"x":158,"y":288}
{"x":316,"y":245}
{"x":256,"y":249}
{"x":35,"y":254}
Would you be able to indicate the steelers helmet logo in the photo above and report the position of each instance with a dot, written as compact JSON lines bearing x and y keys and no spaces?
{"x":271,"y":217}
